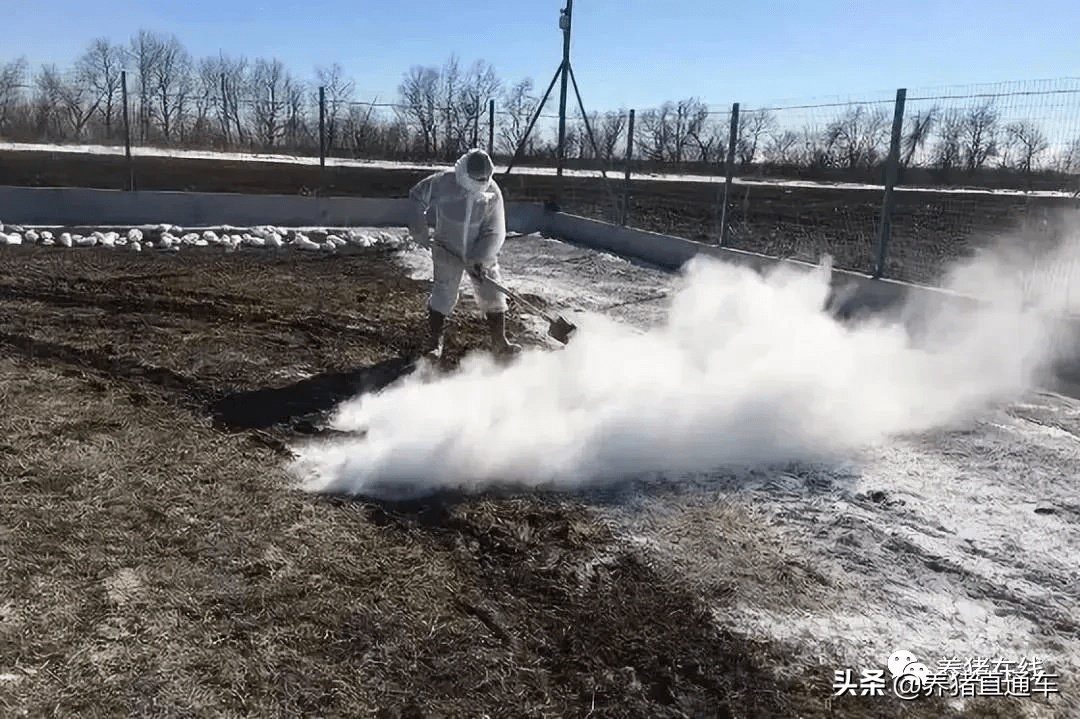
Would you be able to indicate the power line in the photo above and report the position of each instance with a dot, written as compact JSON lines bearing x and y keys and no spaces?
{"x":774,"y":108}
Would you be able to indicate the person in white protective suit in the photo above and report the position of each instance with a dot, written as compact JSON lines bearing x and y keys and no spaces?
{"x":470,"y":221}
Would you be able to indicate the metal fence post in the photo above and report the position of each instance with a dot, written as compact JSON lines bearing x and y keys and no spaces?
{"x":733,"y":137}
{"x":624,"y":215}
{"x":127,"y":131}
{"x":892,"y":167}
{"x":322,"y":127}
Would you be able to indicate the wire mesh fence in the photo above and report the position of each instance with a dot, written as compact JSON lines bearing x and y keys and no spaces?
{"x":790,"y":156}
{"x":900,"y":185}
{"x":999,"y":157}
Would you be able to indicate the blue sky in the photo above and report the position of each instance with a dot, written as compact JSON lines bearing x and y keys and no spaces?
{"x":626,"y":53}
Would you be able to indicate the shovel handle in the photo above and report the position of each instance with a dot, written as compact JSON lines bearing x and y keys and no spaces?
{"x":497,"y":285}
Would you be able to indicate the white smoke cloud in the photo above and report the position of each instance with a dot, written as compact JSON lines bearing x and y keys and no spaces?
{"x":747,"y":370}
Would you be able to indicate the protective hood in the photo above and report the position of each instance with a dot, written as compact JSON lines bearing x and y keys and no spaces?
{"x":461,"y":171}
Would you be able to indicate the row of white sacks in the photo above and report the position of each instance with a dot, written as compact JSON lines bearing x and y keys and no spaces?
{"x":170,"y":237}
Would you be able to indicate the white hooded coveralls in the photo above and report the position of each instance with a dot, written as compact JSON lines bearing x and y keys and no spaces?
{"x":470,"y":219}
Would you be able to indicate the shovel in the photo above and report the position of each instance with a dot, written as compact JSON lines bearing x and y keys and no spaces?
{"x":558,"y":327}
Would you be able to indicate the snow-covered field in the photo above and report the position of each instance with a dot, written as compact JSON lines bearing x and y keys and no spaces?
{"x":931,"y":521}
{"x":616,"y":172}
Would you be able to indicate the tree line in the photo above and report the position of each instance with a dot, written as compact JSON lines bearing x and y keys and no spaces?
{"x":227,"y":102}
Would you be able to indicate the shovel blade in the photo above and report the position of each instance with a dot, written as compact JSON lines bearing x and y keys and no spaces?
{"x":561,"y":329}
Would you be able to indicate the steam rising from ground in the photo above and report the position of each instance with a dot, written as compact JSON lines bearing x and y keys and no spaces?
{"x":747,"y":370}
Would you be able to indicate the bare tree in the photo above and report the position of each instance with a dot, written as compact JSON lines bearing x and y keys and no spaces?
{"x":1068,"y":160}
{"x":980,"y":135}
{"x":692,"y":124}
{"x":395,"y":137}
{"x":99,"y":68}
{"x":171,"y":75}
{"x":47,"y":103}
{"x":654,"y":133}
{"x":782,"y":147}
{"x":481,"y":85}
{"x":610,"y":130}
{"x":710,"y":138}
{"x":1029,"y":141}
{"x":146,"y":49}
{"x":339,"y":93}
{"x":270,"y":101}
{"x":948,"y":151}
{"x":296,"y":126}
{"x":206,"y":97}
{"x":576,"y":141}
{"x":753,"y":126}
{"x":234,"y":79}
{"x":668,"y":132}
{"x":12,"y":77}
{"x":920,"y":125}
{"x":687,"y":119}
{"x":519,"y":105}
{"x":857,"y":136}
{"x":450,"y":85}
{"x":585,"y":148}
{"x":361,"y":128}
{"x":816,"y":149}
{"x":419,"y":97}
{"x":70,"y":102}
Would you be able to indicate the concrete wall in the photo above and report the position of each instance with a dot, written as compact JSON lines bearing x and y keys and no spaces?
{"x":853,"y":293}
{"x":79,"y":206}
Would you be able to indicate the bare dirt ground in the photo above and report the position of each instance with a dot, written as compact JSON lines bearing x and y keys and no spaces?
{"x":155,"y":560}
{"x":930,"y":228}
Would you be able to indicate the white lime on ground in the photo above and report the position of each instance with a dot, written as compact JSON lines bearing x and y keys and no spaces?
{"x":908,"y":497}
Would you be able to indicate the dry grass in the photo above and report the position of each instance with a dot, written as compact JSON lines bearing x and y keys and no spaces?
{"x":156,"y":564}
{"x":157,"y":567}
